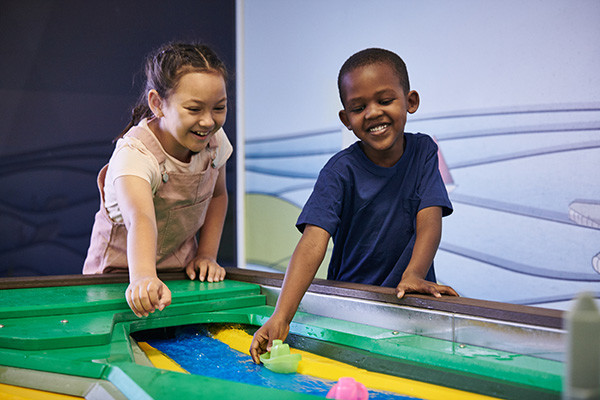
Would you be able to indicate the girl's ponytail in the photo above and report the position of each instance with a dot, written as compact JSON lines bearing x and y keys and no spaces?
{"x":138,"y":113}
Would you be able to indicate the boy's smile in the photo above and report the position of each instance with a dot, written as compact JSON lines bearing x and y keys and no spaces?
{"x":375,"y":108}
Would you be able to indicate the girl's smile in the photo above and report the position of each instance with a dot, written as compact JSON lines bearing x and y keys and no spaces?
{"x":191,"y":114}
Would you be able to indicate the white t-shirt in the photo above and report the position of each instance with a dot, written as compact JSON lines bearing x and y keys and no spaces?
{"x":131,"y":157}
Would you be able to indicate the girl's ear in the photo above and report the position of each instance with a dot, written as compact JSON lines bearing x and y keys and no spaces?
{"x":155,"y":103}
{"x":412,"y":101}
{"x":344,"y":118}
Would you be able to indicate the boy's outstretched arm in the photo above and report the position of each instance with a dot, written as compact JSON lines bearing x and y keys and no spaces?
{"x":429,"y":234}
{"x":307,"y":257}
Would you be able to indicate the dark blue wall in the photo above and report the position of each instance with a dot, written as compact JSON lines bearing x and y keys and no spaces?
{"x":69,"y":73}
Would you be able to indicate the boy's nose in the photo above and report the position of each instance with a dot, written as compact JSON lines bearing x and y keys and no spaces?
{"x":372,"y":111}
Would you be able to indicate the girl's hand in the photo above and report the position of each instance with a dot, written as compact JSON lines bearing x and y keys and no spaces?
{"x":207,"y":268}
{"x":415,"y":284}
{"x":146,"y":295}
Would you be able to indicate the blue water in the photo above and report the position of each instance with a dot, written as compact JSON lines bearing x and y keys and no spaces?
{"x":198,"y":353}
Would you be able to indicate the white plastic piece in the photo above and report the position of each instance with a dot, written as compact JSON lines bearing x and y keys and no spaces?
{"x":582,"y":363}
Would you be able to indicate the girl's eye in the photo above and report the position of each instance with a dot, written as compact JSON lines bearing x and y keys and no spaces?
{"x":220,"y":108}
{"x":192,"y":109}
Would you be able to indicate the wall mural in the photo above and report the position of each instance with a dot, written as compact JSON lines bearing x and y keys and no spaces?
{"x":526,"y":212}
{"x":513,"y":105}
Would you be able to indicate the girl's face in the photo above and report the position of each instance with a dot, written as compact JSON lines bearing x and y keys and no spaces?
{"x":191,"y":115}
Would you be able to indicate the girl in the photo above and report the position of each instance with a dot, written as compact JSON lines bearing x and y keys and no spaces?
{"x":165,"y":181}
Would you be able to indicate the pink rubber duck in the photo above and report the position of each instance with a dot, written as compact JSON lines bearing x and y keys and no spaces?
{"x":348,"y":389}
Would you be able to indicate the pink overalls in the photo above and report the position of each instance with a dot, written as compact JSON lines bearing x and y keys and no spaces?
{"x":180,"y":205}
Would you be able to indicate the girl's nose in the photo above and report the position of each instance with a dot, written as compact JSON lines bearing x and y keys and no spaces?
{"x":206,"y":120}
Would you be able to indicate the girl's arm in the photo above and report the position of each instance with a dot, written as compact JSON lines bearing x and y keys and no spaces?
{"x":146,"y":292}
{"x":429,"y":234}
{"x":305,"y":261}
{"x":205,"y":261}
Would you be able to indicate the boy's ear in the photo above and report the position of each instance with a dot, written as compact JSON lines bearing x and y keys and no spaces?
{"x":344,"y":119}
{"x":155,"y":103}
{"x":412,"y":101}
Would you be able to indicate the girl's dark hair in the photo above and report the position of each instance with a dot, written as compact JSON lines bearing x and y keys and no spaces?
{"x":163,"y":69}
{"x":375,"y":56}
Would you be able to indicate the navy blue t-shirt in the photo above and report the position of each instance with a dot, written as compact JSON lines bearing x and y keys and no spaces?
{"x":370,"y":211}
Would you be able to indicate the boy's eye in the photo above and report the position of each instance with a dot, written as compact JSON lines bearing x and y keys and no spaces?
{"x":386,"y":101}
{"x":357,"y":109}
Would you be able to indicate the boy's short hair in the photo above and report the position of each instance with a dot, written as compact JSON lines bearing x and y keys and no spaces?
{"x":375,"y":56}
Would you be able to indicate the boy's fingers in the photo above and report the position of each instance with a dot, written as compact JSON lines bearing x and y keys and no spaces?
{"x":257,"y":347}
{"x":449,"y":290}
{"x":254,"y":348}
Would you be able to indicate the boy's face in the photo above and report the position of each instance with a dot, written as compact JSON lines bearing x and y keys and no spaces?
{"x":375,"y":108}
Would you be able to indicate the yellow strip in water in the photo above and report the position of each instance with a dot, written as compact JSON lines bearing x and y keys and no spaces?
{"x":9,"y":392}
{"x":325,"y":368}
{"x":159,"y":359}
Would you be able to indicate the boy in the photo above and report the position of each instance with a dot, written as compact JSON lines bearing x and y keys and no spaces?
{"x":382,"y":199}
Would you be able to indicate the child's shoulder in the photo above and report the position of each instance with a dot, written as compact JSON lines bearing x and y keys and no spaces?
{"x":420,"y":142}
{"x":344,"y":157}
{"x":419,"y":137}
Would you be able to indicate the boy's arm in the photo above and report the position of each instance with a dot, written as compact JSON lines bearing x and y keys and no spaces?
{"x":429,"y":233}
{"x":146,"y":292}
{"x":205,"y":261}
{"x":305,"y":261}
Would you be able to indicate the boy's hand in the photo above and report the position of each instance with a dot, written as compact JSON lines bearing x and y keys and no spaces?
{"x":415,"y":284}
{"x":146,"y":295}
{"x":264,"y":336}
{"x":206,"y":268}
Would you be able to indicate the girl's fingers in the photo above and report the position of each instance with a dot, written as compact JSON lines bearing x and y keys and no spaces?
{"x":130,"y":302}
{"x":216,"y":273}
{"x":190,"y":270}
{"x":205,"y":270}
{"x":211,"y":274}
{"x":152,"y":290}
{"x":164,"y":297}
{"x":137,"y":308}
{"x":202,"y":270}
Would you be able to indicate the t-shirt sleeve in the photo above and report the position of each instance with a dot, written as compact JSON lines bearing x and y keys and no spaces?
{"x":132,"y":158}
{"x":431,"y":188}
{"x":324,"y":206}
{"x":224,"y":149}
